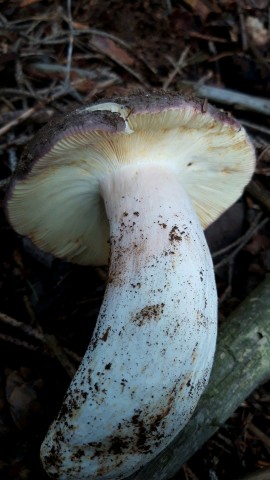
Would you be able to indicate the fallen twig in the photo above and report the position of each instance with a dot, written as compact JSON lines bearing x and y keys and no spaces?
{"x":260,"y":193}
{"x":259,"y":434}
{"x":23,"y":327}
{"x":177,"y":68}
{"x":255,"y":126}
{"x":244,"y":36}
{"x":49,"y":340}
{"x":232,"y":98}
{"x":19,"y":343}
{"x":263,"y":474}
{"x":70,"y":44}
{"x":23,"y":116}
{"x":27,"y":114}
{"x":58,"y":352}
{"x":239,"y":243}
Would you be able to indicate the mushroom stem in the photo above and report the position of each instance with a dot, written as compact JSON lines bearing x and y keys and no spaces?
{"x":152,"y":349}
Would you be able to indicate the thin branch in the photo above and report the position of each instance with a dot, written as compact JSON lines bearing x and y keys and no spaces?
{"x":209,"y":38}
{"x":262,"y":474}
{"x":260,"y":193}
{"x":58,"y":352}
{"x":232,"y":98}
{"x":18,"y":343}
{"x":259,"y":434}
{"x":244,"y":37}
{"x":247,"y":235}
{"x":70,"y":43}
{"x":23,"y":327}
{"x":49,"y":340}
{"x":29,"y":112}
{"x":255,"y":126}
{"x":23,"y":116}
{"x":244,"y":240}
{"x":19,"y":93}
{"x":177,"y":68}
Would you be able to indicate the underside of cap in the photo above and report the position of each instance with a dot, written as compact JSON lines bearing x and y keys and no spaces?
{"x":55,"y":199}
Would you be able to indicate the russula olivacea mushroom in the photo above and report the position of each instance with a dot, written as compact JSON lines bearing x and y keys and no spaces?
{"x":148,"y":173}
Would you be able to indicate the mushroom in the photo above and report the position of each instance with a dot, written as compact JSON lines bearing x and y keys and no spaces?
{"x":147,"y":173}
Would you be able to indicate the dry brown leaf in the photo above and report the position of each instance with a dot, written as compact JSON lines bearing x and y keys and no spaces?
{"x":22,"y":398}
{"x":79,"y":26}
{"x":26,"y":3}
{"x":258,"y":244}
{"x":202,"y":8}
{"x":110,"y":48}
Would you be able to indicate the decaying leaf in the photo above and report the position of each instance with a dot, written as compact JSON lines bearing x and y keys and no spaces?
{"x":110,"y":48}
{"x":22,"y":397}
{"x":257,"y":31}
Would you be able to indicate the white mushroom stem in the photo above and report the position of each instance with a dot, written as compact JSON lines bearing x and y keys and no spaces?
{"x":152,"y":350}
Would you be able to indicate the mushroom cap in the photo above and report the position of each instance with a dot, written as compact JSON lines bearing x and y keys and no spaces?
{"x":54,"y":197}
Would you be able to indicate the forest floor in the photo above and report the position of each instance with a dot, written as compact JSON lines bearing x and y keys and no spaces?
{"x":56,"y":55}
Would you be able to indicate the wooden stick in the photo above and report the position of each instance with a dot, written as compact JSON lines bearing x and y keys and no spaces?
{"x":263,"y":474}
{"x":259,"y":193}
{"x":51,"y":342}
{"x":232,"y":98}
